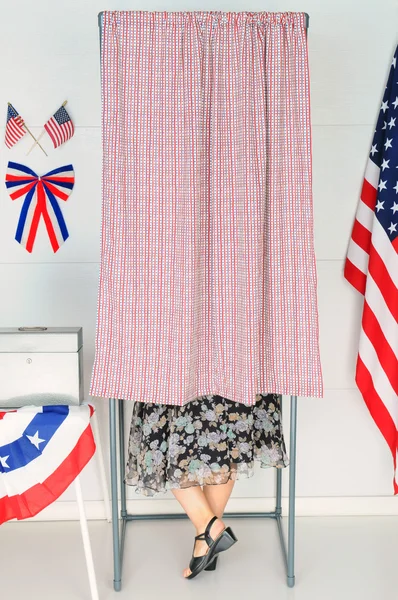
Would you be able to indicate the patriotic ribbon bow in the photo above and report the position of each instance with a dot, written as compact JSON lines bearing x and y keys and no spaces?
{"x":40,"y":195}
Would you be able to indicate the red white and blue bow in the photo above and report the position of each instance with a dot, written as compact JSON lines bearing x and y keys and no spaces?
{"x":40,"y":195}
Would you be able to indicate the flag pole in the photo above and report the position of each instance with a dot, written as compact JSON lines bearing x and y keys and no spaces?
{"x":36,"y":142}
{"x":28,"y":130}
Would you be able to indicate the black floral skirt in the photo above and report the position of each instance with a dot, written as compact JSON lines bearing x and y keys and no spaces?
{"x":208,"y":441}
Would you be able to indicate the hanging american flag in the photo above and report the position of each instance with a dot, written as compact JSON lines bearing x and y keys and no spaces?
{"x":372,"y":268}
{"x":40,"y":198}
{"x":42,"y":450}
{"x":14,"y":127}
{"x":60,"y":127}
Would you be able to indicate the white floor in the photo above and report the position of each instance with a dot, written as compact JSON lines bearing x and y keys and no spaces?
{"x":337,"y":558}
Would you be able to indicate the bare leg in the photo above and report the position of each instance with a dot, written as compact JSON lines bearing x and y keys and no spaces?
{"x":217,"y":496}
{"x":195,"y":504}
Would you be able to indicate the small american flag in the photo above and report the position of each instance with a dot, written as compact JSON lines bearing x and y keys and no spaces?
{"x":14,"y":127}
{"x":60,"y":127}
{"x":372,"y":268}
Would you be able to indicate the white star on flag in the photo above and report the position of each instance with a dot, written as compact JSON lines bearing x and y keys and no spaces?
{"x":384,"y":164}
{"x":35,"y":440}
{"x":3,"y":461}
{"x":38,"y":471}
{"x":379,"y":205}
{"x":382,"y":185}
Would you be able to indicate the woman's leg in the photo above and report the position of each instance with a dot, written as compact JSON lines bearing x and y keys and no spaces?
{"x":195,"y":504}
{"x":217,"y":496}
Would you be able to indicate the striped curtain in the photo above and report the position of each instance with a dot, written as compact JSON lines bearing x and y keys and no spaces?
{"x":207,"y":278}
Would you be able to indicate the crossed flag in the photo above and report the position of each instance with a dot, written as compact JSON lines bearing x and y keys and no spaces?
{"x":59,"y":127}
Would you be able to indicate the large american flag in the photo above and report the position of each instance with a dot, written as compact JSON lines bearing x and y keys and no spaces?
{"x":14,"y":127}
{"x":372,"y":268}
{"x":60,"y":127}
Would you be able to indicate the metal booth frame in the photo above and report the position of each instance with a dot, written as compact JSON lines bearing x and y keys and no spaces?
{"x":117,"y":434}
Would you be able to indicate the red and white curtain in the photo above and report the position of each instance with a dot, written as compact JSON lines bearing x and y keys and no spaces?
{"x":207,"y":276}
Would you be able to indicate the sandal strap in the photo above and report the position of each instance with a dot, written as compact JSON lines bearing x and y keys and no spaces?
{"x":208,"y":538}
{"x":206,"y":534}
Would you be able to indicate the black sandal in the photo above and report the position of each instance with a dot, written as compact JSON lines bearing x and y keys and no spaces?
{"x":223,"y":541}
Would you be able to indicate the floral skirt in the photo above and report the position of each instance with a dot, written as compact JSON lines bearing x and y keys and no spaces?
{"x":207,"y":441}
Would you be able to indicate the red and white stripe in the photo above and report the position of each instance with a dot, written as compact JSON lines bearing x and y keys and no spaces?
{"x":372,"y":268}
{"x":207,"y":276}
{"x":59,"y":133}
{"x":14,"y":131}
{"x":26,"y":491}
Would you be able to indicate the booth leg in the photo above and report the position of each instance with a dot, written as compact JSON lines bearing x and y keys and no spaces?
{"x":292,"y":492}
{"x":122,"y":456}
{"x":278,"y":494}
{"x":117,"y":580}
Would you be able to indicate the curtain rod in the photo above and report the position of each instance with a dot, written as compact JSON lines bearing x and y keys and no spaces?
{"x":307,"y":19}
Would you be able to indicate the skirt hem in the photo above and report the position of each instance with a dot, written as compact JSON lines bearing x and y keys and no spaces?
{"x":235,"y":474}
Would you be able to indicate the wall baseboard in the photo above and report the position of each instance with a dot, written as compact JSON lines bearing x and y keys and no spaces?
{"x":305,"y":507}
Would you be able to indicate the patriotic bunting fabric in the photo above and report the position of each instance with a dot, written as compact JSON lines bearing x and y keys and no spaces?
{"x":40,"y":196}
{"x":372,"y":268}
{"x":60,"y":127}
{"x":42,"y":450}
{"x":14,"y":127}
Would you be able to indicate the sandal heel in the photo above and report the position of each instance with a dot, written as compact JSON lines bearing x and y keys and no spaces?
{"x":227,"y":539}
{"x":212,"y":566}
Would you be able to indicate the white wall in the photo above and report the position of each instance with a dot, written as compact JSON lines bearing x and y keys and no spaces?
{"x":52,"y":50}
